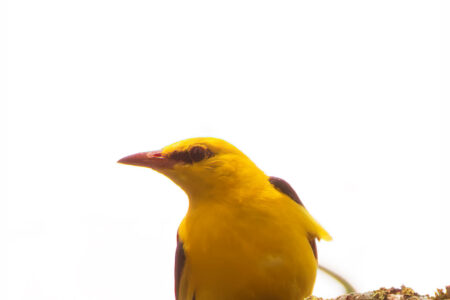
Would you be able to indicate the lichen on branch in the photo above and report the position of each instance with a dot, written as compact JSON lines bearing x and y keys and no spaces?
{"x":403,"y":293}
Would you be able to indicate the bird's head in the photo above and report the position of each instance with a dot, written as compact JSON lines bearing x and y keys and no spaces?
{"x":200,"y":166}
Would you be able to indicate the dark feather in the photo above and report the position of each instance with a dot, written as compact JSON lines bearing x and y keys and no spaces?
{"x":180,"y":259}
{"x":312,"y":242}
{"x":286,"y":188}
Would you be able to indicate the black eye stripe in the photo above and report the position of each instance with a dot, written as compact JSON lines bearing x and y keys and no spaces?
{"x":194,"y":154}
{"x":181,"y":156}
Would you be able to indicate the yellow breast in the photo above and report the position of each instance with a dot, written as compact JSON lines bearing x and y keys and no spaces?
{"x":255,"y":249}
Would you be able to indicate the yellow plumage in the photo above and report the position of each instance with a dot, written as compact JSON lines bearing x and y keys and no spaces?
{"x":241,"y":238}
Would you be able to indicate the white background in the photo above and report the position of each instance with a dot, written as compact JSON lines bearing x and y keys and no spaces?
{"x":346,"y":100}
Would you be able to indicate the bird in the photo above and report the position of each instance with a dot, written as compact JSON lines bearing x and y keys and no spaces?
{"x":246,"y":235}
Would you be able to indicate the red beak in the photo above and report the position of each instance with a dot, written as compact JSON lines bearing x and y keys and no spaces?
{"x":153,"y":159}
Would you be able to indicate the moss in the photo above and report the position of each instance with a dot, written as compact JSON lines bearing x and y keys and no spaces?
{"x":403,"y":293}
{"x":380,"y":294}
{"x":409,"y":293}
{"x":313,"y":298}
{"x":440,"y":294}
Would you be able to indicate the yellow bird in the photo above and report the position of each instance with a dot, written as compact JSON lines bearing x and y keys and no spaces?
{"x":246,"y":236}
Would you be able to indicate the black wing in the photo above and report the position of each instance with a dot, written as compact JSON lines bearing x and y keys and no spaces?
{"x":286,"y":188}
{"x":180,"y":259}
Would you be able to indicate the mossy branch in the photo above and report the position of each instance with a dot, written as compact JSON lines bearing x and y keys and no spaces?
{"x":403,"y":293}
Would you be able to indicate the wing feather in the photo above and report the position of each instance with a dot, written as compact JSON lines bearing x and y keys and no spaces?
{"x":286,"y":188}
{"x":180,"y":259}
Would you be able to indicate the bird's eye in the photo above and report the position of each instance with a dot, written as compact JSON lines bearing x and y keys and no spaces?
{"x":194,"y":154}
{"x":197,"y":153}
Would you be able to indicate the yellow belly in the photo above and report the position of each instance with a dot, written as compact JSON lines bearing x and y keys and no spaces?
{"x":238,"y":254}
